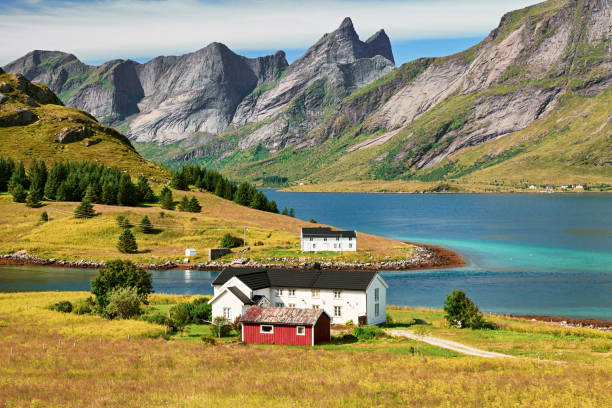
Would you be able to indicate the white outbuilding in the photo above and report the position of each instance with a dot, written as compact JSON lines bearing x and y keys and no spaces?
{"x":326,"y":239}
{"x":190,"y":252}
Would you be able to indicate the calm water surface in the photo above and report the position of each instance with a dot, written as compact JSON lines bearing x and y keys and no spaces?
{"x":540,"y":254}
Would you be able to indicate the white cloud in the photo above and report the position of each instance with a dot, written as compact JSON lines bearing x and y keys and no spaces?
{"x":113,"y":28}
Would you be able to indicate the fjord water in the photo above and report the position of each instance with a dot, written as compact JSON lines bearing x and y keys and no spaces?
{"x":527,"y":254}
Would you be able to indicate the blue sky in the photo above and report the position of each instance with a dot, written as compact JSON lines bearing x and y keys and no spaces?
{"x":99,"y":30}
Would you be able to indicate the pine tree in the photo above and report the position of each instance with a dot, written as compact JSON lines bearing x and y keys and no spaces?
{"x":272,"y":207}
{"x":285,"y":211}
{"x":244,"y":194}
{"x":64,"y":192}
{"x":123,"y":222}
{"x":33,"y":199}
{"x":194,"y":205}
{"x":179,"y":181}
{"x":145,"y":225}
{"x":259,"y":201}
{"x":18,"y":192}
{"x":19,"y":177}
{"x":84,"y":210}
{"x":127,"y":242}
{"x":109,"y":193}
{"x":145,"y":193}
{"x":91,"y":194}
{"x":220,"y":189}
{"x":184,"y":204}
{"x":44,"y":217}
{"x":54,"y":180}
{"x":126,"y":195}
{"x":38,"y":177}
{"x":291,"y":212}
{"x":166,"y":200}
{"x":6,"y":170}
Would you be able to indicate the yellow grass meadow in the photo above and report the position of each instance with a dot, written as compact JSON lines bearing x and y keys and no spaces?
{"x":46,"y":364}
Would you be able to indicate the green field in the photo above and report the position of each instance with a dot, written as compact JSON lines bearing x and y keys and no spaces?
{"x":49,"y":358}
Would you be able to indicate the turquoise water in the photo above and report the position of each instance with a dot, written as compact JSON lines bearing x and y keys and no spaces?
{"x":527,"y":254}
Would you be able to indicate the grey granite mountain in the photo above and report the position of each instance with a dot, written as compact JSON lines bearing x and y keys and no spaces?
{"x":208,"y":91}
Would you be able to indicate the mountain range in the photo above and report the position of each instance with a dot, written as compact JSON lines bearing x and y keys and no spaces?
{"x":530,"y":103}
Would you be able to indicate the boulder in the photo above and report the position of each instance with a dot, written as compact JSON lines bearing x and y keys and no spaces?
{"x":3,"y":98}
{"x":70,"y":135}
{"x":19,"y":117}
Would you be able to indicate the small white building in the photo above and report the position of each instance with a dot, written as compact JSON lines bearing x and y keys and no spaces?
{"x":190,"y":252}
{"x":357,"y":296}
{"x":533,"y":187}
{"x":326,"y":239}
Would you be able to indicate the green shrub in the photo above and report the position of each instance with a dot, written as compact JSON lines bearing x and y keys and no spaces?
{"x":460,"y":311}
{"x":117,"y":274}
{"x":64,"y":306}
{"x":367,"y":332}
{"x":201,"y":313}
{"x":181,"y":315}
{"x":258,"y":243}
{"x":230,"y":241}
{"x":221,"y":327}
{"x":83,"y":306}
{"x":123,"y":222}
{"x":312,"y":220}
{"x":123,"y":303}
{"x":208,"y":339}
{"x":44,"y":217}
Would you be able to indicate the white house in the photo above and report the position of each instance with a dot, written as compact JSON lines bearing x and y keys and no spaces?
{"x":190,"y":252}
{"x":357,"y":296}
{"x":326,"y":239}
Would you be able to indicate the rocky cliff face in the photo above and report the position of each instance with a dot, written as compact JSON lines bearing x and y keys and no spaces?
{"x":171,"y":98}
{"x":415,"y":120}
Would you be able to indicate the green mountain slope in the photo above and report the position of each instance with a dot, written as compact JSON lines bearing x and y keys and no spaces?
{"x":34,"y":124}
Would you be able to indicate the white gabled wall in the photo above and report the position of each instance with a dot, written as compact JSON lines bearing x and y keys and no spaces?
{"x":377,"y":283}
{"x":227,"y":299}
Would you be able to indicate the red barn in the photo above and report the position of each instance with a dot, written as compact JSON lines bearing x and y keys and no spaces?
{"x":285,"y":325}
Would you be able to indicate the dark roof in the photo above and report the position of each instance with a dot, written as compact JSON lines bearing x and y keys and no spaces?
{"x":327,"y":232}
{"x":259,"y":278}
{"x":241,"y":296}
{"x":282,"y":315}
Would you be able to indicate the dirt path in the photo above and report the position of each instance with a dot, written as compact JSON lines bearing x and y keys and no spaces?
{"x":447,"y":344}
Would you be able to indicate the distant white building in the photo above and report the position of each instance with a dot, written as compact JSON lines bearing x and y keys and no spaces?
{"x":326,"y":239}
{"x":533,"y":187}
{"x":190,"y":252}
{"x":357,"y":296}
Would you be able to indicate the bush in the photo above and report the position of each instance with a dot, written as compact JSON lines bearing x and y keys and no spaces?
{"x":230,"y":241}
{"x":160,"y":319}
{"x":123,"y":303}
{"x":123,"y":222}
{"x":201,"y":313}
{"x":127,"y":242}
{"x":389,"y":319}
{"x":84,"y":306}
{"x":64,"y":306}
{"x":312,"y":220}
{"x":181,"y":315}
{"x":258,"y":243}
{"x":208,"y":339}
{"x":44,"y":217}
{"x":122,"y":274}
{"x":221,"y":327}
{"x":461,"y":311}
{"x":367,"y":332}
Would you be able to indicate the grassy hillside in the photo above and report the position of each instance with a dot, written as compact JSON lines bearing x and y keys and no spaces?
{"x":38,"y":138}
{"x":51,"y":357}
{"x":65,"y":237}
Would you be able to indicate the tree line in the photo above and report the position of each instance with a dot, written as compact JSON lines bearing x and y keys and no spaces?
{"x":214,"y":182}
{"x":72,"y":181}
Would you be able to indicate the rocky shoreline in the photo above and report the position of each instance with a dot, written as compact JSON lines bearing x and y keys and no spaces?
{"x":425,"y":257}
{"x":598,"y":324}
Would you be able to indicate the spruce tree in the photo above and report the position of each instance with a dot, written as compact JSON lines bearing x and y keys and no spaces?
{"x":33,"y":199}
{"x":145,"y":225}
{"x":54,"y":180}
{"x":259,"y":201}
{"x":127,"y":242}
{"x":166,"y":200}
{"x":272,"y":207}
{"x":38,"y":177}
{"x":179,"y":181}
{"x":145,"y":193}
{"x":109,"y":193}
{"x":184,"y":204}
{"x":91,"y":194}
{"x":285,"y":211}
{"x":18,"y":192}
{"x":244,"y":194}
{"x":84,"y":210}
{"x":19,"y":177}
{"x":291,"y":212}
{"x":126,"y":195}
{"x":6,"y":170}
{"x":194,"y":205}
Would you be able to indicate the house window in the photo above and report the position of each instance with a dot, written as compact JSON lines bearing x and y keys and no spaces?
{"x":291,"y":292}
{"x":325,"y":239}
{"x":376,"y":309}
{"x":315,"y":293}
{"x":350,"y":245}
{"x":337,"y":311}
{"x":315,"y":306}
{"x":311,"y":239}
{"x":226,"y":312}
{"x":337,"y":238}
{"x":279,"y":292}
{"x":291,"y":305}
{"x":266,"y":329}
{"x":314,"y":246}
{"x":301,"y":331}
{"x":337,"y":294}
{"x":376,"y":294}
{"x":279,"y":304}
